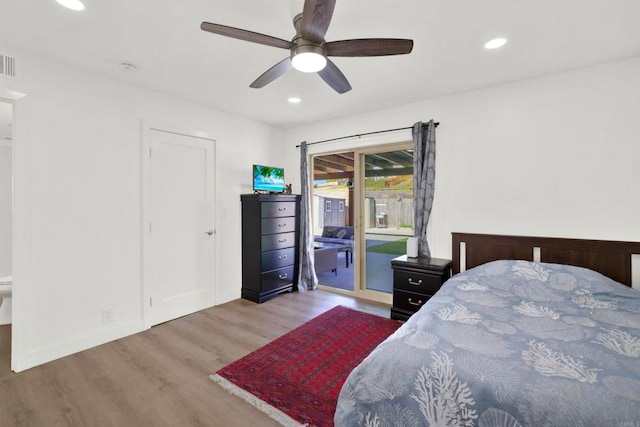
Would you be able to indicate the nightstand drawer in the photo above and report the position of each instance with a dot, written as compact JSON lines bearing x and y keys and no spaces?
{"x":409,"y":301}
{"x":277,"y":209}
{"x":277,"y":259}
{"x":272,"y":242}
{"x":413,"y":281}
{"x":278,"y":225}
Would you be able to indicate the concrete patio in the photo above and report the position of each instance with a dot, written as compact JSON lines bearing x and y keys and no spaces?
{"x":379,"y":276}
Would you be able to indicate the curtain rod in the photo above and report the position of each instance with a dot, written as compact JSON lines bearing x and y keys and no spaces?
{"x":360,"y":135}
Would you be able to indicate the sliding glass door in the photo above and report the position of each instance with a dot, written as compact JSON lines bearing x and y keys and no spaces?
{"x":387,"y":200}
{"x":333,"y":220}
{"x":362,"y":210}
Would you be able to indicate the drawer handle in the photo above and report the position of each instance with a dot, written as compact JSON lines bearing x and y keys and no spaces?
{"x":282,"y":257}
{"x":282,"y":209}
{"x":418,"y":283}
{"x":282,"y":276}
{"x":282,"y":224}
{"x":282,"y":240}
{"x":415,"y":303}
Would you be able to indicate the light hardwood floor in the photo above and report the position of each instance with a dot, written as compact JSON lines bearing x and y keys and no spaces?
{"x":160,"y":377}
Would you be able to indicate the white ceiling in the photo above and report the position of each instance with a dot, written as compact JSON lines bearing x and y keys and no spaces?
{"x":163,"y":39}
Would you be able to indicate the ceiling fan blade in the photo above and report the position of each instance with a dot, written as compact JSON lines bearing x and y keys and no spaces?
{"x":369,"y":47}
{"x":246,"y":35}
{"x":332,"y":75}
{"x":272,"y":73}
{"x":316,"y":16}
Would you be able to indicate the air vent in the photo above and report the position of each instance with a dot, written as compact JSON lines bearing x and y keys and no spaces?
{"x":7,"y":66}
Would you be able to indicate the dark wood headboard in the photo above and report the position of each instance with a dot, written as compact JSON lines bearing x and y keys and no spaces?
{"x":611,"y":258}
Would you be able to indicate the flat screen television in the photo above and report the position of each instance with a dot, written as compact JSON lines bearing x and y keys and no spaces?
{"x":268,"y":179}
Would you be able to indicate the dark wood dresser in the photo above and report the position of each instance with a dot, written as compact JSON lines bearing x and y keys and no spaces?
{"x":415,"y":280}
{"x":270,"y":225}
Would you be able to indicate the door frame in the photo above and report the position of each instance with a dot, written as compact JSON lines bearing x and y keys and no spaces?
{"x":145,"y":217}
{"x":363,"y":146}
{"x":359,"y":154}
{"x":11,"y":93}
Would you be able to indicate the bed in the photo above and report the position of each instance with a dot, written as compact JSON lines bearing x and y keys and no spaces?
{"x":522,"y":335}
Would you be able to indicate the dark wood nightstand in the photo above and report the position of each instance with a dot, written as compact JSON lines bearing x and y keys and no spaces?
{"x":415,"y":280}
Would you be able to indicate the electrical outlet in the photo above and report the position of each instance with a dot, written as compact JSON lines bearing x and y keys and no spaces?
{"x":107,"y":314}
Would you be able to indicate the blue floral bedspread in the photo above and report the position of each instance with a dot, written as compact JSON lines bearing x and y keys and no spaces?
{"x":508,"y":343}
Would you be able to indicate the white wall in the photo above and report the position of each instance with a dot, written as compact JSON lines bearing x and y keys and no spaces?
{"x":5,"y":207}
{"x":78,"y":202}
{"x":554,"y":156}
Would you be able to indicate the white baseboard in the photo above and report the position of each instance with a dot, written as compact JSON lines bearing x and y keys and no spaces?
{"x":44,"y":355}
{"x":228,"y":296}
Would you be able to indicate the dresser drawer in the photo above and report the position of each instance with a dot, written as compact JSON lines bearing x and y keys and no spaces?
{"x":409,"y":301}
{"x":278,"y":225}
{"x":277,"y":259}
{"x":417,"y":282}
{"x":277,"y":209}
{"x":276,"y":279}
{"x":272,"y":242}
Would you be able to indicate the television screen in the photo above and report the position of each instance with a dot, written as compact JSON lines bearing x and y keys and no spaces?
{"x":266,"y":178}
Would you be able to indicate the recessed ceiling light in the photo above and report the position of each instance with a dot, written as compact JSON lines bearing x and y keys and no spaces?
{"x":294,"y":100}
{"x":72,"y":4}
{"x":495,"y":43}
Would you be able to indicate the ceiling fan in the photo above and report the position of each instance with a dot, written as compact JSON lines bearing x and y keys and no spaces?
{"x":308,"y":48}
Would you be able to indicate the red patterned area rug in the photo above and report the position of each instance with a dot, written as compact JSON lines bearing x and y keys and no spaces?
{"x":296,"y":379}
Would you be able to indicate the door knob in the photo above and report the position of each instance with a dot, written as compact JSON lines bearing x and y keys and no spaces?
{"x":209,"y":233}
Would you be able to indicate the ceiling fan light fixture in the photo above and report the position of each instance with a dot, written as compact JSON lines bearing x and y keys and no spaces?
{"x":308,"y":58}
{"x":309,"y":51}
{"x":71,"y":4}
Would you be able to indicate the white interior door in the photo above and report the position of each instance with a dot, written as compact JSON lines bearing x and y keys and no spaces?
{"x":181,"y":218}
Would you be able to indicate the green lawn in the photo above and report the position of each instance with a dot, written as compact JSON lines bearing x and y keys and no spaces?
{"x":397,"y":247}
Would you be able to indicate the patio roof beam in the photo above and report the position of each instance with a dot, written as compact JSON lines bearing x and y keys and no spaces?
{"x":388,"y":172}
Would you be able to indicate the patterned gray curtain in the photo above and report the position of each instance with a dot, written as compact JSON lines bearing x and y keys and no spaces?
{"x":424,"y":176}
{"x":307,"y":279}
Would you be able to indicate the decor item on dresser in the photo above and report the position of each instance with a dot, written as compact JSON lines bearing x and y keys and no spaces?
{"x":268,"y":179}
{"x":415,"y":280}
{"x":512,"y":341}
{"x":270,"y":224}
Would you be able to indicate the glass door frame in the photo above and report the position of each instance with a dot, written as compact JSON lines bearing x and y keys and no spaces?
{"x":311,"y":162}
{"x":359,"y":260}
{"x":360,"y":231}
